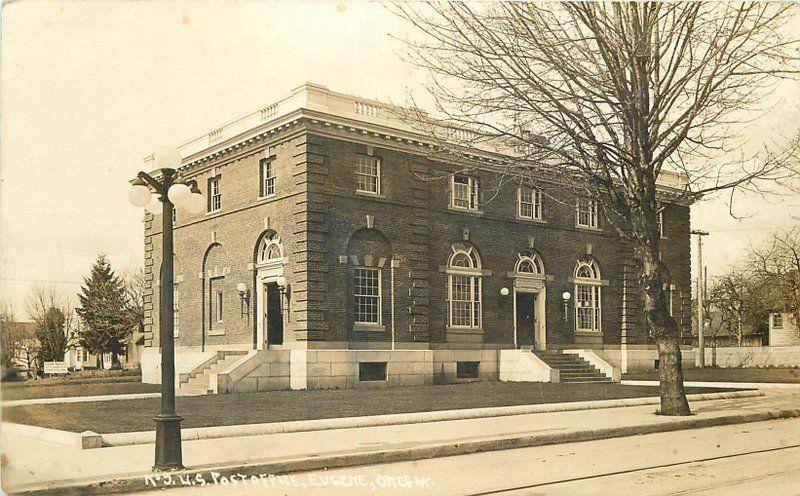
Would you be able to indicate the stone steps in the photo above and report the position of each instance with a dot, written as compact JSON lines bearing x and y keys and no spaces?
{"x":572,"y":368}
{"x":198,"y":383}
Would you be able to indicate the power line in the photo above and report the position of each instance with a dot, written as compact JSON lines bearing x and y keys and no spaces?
{"x":54,"y":281}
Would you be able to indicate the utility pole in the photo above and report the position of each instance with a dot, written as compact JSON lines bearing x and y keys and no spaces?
{"x":701,"y":357}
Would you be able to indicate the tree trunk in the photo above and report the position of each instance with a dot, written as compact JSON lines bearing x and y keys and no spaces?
{"x":739,"y":331}
{"x":664,"y":330}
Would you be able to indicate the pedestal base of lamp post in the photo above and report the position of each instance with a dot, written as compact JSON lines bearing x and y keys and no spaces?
{"x":168,"y":442}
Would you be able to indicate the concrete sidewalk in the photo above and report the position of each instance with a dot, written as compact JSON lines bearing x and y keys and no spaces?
{"x":80,"y":399}
{"x":35,"y":465}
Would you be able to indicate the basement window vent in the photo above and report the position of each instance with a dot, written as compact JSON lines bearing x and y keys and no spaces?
{"x":371,"y":371}
{"x":467,"y":370}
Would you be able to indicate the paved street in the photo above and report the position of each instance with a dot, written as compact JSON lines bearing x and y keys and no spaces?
{"x":756,"y":458}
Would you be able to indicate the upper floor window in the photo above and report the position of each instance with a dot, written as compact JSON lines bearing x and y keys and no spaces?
{"x":777,"y":321}
{"x":660,"y":221}
{"x":586,"y":213}
{"x":464,"y":192}
{"x":267,"y":175}
{"x":367,"y":291}
{"x":214,"y":194}
{"x":529,"y":203}
{"x":464,"y":288}
{"x":368,"y":174}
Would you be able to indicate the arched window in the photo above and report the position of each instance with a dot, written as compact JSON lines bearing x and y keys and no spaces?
{"x":529,"y":263}
{"x":270,"y":249}
{"x":464,"y":287}
{"x":588,"y":301}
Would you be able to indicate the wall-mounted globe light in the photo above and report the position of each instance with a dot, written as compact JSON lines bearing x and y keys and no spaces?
{"x":504,"y":292}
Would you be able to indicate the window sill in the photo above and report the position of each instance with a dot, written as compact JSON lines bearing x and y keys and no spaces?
{"x":465,"y":210}
{"x":268,"y":197}
{"x":369,"y":327}
{"x":529,"y":219}
{"x":216,"y":332}
{"x":584,"y":332}
{"x":464,"y":329}
{"x":369,"y":194}
{"x":588,"y":228}
{"x":213,"y":213}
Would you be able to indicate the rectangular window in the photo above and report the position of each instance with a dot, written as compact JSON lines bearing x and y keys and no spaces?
{"x":80,"y":354}
{"x":175,"y":306}
{"x":267,"y":175}
{"x":464,"y":192}
{"x":214,"y":194}
{"x":371,"y":371}
{"x":660,"y":221}
{"x":587,"y":307}
{"x":465,"y":301}
{"x":368,"y":174}
{"x":586,"y":213}
{"x":214,"y":304}
{"x":218,"y":306}
{"x":367,"y":289}
{"x":529,"y":203}
{"x":777,"y":321}
{"x":467,"y":370}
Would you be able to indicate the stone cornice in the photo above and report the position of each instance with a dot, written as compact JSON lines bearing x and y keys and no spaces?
{"x":317,"y":105}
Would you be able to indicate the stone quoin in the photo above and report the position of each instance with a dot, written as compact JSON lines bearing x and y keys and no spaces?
{"x":335,"y":252}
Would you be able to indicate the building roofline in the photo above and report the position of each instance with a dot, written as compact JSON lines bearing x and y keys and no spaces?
{"x":318,"y":103}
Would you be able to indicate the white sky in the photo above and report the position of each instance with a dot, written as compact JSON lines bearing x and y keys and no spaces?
{"x":90,"y":88}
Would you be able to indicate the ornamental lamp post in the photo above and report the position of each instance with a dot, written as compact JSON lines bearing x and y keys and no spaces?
{"x":168,"y":187}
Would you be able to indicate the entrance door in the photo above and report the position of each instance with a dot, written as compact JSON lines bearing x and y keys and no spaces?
{"x":273,"y":314}
{"x":526,"y":319}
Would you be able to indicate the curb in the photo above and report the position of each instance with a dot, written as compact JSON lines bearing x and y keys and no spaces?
{"x":83,"y":440}
{"x":727,"y":385}
{"x":253,"y":472}
{"x":149,"y":437}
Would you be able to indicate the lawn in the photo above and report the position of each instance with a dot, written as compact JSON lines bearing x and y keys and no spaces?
{"x":21,"y":391}
{"x":789,"y":375}
{"x":278,"y":406}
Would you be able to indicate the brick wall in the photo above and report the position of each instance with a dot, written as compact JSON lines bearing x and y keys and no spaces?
{"x":321,"y":222}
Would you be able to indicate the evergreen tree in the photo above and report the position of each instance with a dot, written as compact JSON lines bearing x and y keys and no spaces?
{"x":51,"y":332}
{"x":103,"y":312}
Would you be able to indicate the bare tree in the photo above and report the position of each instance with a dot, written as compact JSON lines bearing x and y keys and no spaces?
{"x":735,"y":298}
{"x":11,"y":335}
{"x":777,"y":262}
{"x":134,"y":283}
{"x":614,"y":99}
{"x":55,"y":321}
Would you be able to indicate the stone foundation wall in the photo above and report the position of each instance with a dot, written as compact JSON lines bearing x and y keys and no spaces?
{"x":445,"y":364}
{"x":639,"y":359}
{"x":338,"y":369}
{"x":265,"y":370}
{"x":761,"y":356}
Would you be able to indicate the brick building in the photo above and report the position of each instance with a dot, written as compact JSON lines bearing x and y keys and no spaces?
{"x":334,"y":252}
